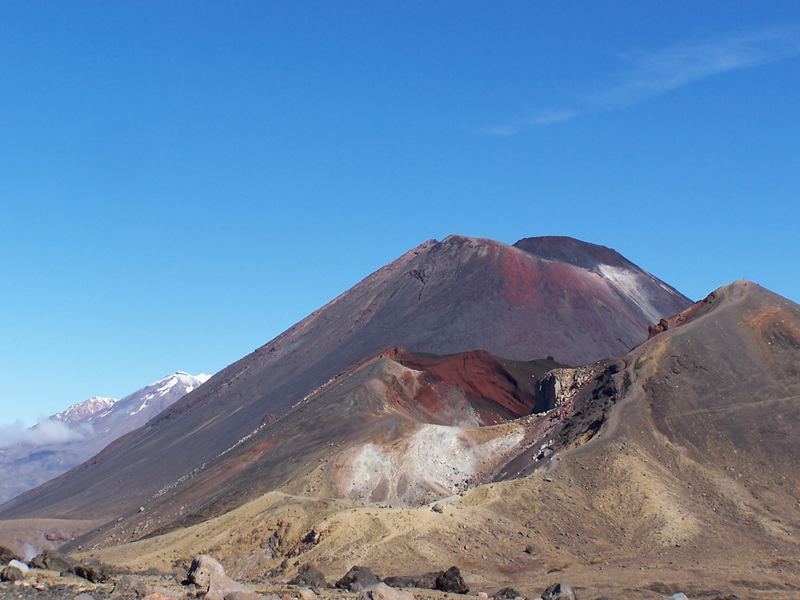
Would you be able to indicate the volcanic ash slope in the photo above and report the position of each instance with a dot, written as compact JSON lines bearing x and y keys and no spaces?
{"x":550,"y":298}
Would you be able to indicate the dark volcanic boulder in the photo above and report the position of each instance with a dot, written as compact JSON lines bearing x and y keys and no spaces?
{"x":309,"y":575}
{"x":451,"y":581}
{"x":427,"y":581}
{"x":357,"y":579}
{"x":445,"y":581}
{"x":558,"y":591}
{"x":91,"y":571}
{"x":52,"y":561}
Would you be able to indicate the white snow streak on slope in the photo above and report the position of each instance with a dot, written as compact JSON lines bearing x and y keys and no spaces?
{"x":628,"y":283}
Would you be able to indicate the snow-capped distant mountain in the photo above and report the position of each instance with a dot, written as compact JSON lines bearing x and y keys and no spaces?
{"x":83,"y":411}
{"x":90,"y":426}
{"x":138,"y":408}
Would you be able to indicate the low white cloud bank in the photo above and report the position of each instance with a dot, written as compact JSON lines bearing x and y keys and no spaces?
{"x":46,"y":431}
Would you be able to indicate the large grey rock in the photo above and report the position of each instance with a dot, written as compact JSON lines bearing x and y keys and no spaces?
{"x":208,"y":574}
{"x":357,"y":579}
{"x":381,"y":591}
{"x":558,"y":591}
{"x":678,"y":596}
{"x":203,"y":569}
{"x":18,"y":564}
{"x":15,"y":571}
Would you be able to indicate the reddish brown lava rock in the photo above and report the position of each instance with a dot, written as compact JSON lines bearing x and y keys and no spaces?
{"x":694,"y":311}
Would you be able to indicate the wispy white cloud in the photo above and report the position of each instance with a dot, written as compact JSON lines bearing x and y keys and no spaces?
{"x":651,"y":73}
{"x":549,"y":117}
{"x":46,"y":431}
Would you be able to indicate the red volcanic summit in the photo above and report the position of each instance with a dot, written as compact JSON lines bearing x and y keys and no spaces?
{"x":555,"y":297}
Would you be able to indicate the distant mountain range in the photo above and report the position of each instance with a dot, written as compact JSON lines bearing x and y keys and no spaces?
{"x":75,"y":434}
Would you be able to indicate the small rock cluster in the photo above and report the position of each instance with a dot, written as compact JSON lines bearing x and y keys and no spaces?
{"x":362,"y":580}
{"x":206,"y":578}
{"x":371,"y":587}
{"x":16,"y":569}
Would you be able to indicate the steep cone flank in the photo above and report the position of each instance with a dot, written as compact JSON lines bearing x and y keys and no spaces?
{"x":456,"y":295}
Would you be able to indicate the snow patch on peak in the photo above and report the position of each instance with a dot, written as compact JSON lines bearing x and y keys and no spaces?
{"x":180,"y":377}
{"x":86,"y":410}
{"x":171,"y":387}
{"x":102,"y":399}
{"x":630,"y":284}
{"x":167,"y":386}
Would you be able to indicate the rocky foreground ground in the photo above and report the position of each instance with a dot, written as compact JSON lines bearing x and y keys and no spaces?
{"x":51,"y":575}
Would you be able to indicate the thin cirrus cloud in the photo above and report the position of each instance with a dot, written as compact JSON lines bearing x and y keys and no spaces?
{"x":649,"y":74}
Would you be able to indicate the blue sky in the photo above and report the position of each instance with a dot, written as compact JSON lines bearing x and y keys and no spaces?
{"x":181,"y":181}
